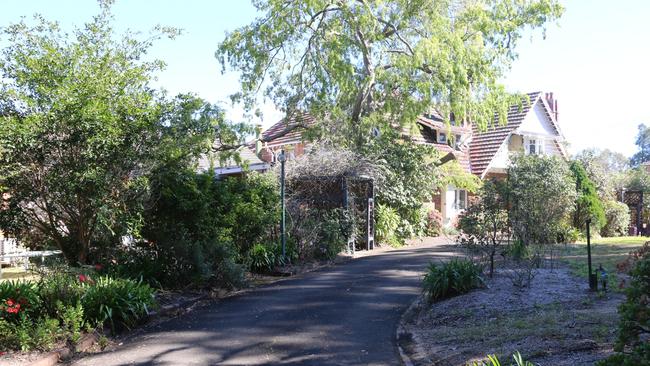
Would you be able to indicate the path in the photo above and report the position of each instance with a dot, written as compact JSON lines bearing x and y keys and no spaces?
{"x":341,"y":315}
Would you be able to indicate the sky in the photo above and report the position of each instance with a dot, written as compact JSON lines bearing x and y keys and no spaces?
{"x":596,"y":59}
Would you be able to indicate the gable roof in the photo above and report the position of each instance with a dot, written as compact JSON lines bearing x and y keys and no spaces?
{"x":245,"y":154}
{"x":485,"y":144}
{"x":288,"y":130}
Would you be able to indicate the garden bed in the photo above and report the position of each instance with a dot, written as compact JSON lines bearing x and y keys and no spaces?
{"x":556,"y":321}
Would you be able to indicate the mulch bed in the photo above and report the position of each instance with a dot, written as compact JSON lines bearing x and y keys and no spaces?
{"x":557,"y":321}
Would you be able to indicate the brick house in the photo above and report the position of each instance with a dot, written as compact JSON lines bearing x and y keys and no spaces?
{"x":531,"y":129}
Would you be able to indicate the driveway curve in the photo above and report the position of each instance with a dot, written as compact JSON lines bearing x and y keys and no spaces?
{"x":340,"y":315}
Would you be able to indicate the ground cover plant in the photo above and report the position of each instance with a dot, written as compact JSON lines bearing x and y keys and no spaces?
{"x":61,"y":305}
{"x":452,"y":278}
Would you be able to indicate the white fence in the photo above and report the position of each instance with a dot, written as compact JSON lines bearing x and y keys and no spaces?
{"x":9,"y":246}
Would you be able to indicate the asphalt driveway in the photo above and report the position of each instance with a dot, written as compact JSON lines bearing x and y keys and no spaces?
{"x":341,"y":315}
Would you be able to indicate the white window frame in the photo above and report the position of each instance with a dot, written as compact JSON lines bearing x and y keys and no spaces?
{"x":442,"y":137}
{"x":460,"y":204}
{"x":538,"y":142}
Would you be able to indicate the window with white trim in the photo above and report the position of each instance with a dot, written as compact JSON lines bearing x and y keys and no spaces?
{"x":534,"y":146}
{"x":460,"y":199}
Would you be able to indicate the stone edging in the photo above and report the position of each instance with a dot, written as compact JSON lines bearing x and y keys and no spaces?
{"x":410,"y":351}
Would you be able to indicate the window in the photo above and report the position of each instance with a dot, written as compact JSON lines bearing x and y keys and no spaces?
{"x":442,"y":138}
{"x":534,"y":146}
{"x":460,"y":199}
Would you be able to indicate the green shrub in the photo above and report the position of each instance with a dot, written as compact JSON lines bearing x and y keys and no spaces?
{"x":197,"y":228}
{"x":493,"y":360}
{"x":434,"y":223}
{"x":27,"y":335}
{"x":59,"y":287}
{"x":18,"y":298}
{"x":335,"y":229}
{"x":634,"y":327}
{"x":386,"y":223}
{"x":261,"y":258}
{"x":452,"y":278}
{"x":72,"y":318}
{"x":118,"y":303}
{"x":46,"y":332}
{"x":617,"y":216}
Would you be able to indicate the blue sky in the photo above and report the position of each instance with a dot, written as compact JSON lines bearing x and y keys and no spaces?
{"x":596,"y":60}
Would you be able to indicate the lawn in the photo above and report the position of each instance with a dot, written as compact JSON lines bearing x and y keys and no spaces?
{"x":605,"y":251}
{"x":16,"y":273}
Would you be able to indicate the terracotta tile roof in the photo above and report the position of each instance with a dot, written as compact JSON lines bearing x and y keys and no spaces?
{"x":485,"y":144}
{"x":424,"y":136}
{"x":288,"y":130}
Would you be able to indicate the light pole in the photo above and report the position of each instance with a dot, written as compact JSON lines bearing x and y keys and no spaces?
{"x":283,"y":158}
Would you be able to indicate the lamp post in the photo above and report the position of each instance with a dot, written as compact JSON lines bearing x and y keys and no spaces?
{"x":283,"y":158}
{"x":593,"y":279}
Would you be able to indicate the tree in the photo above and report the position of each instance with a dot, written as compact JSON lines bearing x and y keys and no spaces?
{"x":605,"y":168}
{"x":643,"y":144}
{"x":588,"y":205}
{"x":542,"y":196}
{"x":361,"y":65}
{"x":80,"y":128}
{"x":617,"y":216}
{"x":485,"y":223}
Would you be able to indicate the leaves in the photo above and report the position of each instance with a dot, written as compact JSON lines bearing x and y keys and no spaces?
{"x":355,"y":65}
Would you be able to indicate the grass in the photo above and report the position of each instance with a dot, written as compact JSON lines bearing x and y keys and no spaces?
{"x":16,"y":273}
{"x":605,"y":251}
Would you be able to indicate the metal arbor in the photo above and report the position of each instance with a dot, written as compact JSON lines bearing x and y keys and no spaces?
{"x":634,"y":200}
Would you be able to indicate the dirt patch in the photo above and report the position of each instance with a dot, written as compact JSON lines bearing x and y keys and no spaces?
{"x":556,"y":321}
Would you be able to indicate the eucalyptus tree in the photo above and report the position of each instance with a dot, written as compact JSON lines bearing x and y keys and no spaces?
{"x":366,"y":65}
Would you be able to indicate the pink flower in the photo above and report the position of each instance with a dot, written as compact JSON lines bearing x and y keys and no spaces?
{"x":98,"y":267}
{"x":83,"y":278}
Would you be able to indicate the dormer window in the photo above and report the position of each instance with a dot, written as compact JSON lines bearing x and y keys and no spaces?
{"x":534,"y":146}
{"x":442,"y":138}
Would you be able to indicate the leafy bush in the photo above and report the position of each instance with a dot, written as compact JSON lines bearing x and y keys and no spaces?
{"x":261,"y":258}
{"x":59,"y":288}
{"x":319,"y":233}
{"x":18,"y":299}
{"x":494,"y":361}
{"x":434,"y":223}
{"x":199,"y":230}
{"x":452,"y":278}
{"x":26,"y":334}
{"x":61,"y":304}
{"x":541,"y":197}
{"x":568,"y":234}
{"x":120,"y":303}
{"x":617,"y":216}
{"x":337,"y":226}
{"x":634,"y":328}
{"x":386,"y":223}
{"x":485,"y":223}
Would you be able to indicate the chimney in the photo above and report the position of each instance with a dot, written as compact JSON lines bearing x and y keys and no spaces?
{"x":552,"y":104}
{"x":258,"y":137}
